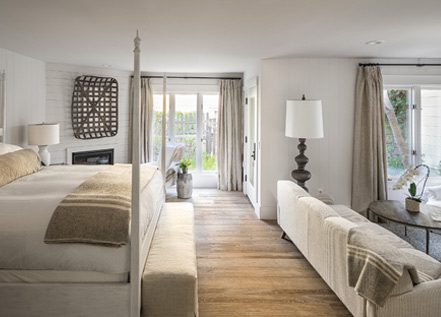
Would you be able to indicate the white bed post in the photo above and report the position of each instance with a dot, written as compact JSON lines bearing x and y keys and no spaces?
{"x":164,"y":126}
{"x":3,"y":103}
{"x":135,"y":265}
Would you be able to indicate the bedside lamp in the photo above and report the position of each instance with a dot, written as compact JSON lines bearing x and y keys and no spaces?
{"x":44,"y":134}
{"x":304,"y":120}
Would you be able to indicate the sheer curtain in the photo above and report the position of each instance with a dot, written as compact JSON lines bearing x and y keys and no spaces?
{"x":230,"y":145}
{"x":369,"y":165}
{"x":146,"y":119}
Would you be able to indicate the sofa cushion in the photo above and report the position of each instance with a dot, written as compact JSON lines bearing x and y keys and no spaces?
{"x":289,"y":188}
{"x":349,"y":214}
{"x":311,"y":204}
{"x":387,"y":237}
{"x":316,"y":212}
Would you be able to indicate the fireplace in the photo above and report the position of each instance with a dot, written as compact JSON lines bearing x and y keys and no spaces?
{"x":95,"y":157}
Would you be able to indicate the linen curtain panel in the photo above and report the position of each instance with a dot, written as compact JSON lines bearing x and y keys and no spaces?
{"x":230,"y":131}
{"x":146,"y":119}
{"x":369,"y":166}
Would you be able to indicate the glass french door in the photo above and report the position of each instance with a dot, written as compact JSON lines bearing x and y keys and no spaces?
{"x":192,"y":121}
{"x":251,"y":113}
{"x":184,"y":126}
{"x":208,"y":123}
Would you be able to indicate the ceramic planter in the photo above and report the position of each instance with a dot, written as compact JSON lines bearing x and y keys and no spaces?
{"x":412,"y":205}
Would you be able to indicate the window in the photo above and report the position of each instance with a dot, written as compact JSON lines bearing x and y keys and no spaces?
{"x":398,"y":122}
{"x":157,"y":126}
{"x":431,"y":128}
{"x":412,"y":127}
{"x":192,"y":121}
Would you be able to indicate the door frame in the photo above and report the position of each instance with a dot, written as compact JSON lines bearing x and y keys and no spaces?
{"x":251,"y":91}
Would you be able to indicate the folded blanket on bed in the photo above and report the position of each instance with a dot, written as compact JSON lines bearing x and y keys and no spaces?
{"x":377,"y":259}
{"x":98,"y":211}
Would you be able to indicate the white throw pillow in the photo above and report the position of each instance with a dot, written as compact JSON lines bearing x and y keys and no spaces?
{"x":6,"y":148}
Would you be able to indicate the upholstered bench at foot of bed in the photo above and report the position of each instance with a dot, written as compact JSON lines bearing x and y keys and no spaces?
{"x":169,"y":282}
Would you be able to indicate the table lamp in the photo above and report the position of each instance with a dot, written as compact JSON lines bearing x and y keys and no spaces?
{"x":44,"y":134}
{"x":304,"y":120}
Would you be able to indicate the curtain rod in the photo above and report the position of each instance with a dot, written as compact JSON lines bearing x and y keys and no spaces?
{"x":377,"y":64}
{"x":192,"y":77}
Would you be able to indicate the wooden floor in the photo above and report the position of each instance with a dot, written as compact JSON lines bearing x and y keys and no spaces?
{"x":245,"y":269}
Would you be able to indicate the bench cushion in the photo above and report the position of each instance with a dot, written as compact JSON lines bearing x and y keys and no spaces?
{"x":169,"y":282}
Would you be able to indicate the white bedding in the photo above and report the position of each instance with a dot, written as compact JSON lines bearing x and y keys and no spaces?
{"x":52,"y":276}
{"x":26,"y":206}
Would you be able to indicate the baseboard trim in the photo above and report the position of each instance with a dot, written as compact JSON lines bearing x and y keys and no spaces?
{"x":268,"y":213}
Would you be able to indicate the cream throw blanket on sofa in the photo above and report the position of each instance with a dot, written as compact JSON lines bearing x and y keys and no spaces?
{"x":98,"y":211}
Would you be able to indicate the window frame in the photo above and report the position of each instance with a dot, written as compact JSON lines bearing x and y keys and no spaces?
{"x":415,"y":112}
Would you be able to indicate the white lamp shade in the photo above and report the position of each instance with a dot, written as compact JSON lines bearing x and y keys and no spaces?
{"x":44,"y":134}
{"x":304,"y":119}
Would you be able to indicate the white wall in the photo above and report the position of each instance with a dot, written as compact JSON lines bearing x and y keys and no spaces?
{"x":25,"y":94}
{"x":332,"y":81}
{"x":60,"y":82}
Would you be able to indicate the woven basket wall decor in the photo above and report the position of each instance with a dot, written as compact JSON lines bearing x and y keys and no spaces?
{"x":95,"y":107}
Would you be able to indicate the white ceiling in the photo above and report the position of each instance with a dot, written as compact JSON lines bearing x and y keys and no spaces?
{"x":217,"y":35}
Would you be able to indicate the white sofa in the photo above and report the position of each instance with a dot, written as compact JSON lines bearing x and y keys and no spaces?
{"x":320,"y":232}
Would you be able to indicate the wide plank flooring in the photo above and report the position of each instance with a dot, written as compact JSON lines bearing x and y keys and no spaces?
{"x":245,"y":269}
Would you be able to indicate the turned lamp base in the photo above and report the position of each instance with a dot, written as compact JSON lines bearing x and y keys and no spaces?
{"x":301,"y":175}
{"x":45,"y":156}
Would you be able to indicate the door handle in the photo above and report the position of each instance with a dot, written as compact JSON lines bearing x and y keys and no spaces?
{"x":253,"y":155}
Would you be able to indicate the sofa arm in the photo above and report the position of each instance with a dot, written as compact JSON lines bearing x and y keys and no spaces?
{"x":422,"y":301}
{"x":292,"y":221}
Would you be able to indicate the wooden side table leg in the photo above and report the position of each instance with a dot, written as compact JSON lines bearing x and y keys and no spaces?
{"x":405,"y":230}
{"x":427,"y":241}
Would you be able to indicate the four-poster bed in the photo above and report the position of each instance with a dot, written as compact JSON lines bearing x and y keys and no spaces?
{"x":76,"y":279}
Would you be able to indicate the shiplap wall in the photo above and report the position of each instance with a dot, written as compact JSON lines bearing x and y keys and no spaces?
{"x":60,"y":82}
{"x":330,"y":158}
{"x":25,"y":94}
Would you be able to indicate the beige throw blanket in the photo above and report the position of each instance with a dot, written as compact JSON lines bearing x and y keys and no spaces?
{"x":378,"y":259}
{"x":98,"y":211}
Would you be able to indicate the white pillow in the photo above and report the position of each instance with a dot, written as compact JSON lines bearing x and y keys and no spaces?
{"x":6,"y":148}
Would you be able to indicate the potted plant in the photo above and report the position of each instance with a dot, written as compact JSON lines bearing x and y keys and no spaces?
{"x":413,"y":200}
{"x":184,"y":184}
{"x":184,"y":165}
